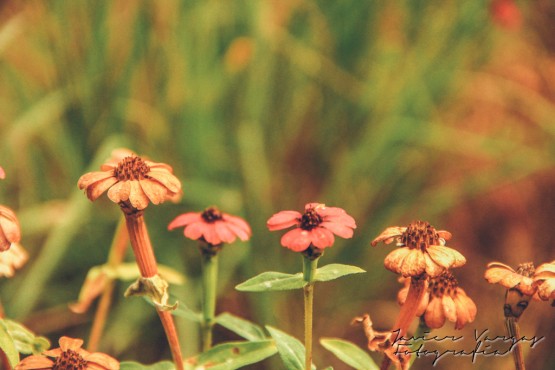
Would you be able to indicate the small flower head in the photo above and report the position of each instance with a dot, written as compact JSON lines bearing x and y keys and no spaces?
{"x":544,"y":277}
{"x":444,"y":299}
{"x":422,"y":250}
{"x":9,"y":228}
{"x":212,"y":226}
{"x":12,"y":259}
{"x":70,"y":356}
{"x":131,"y":181}
{"x":316,"y":226}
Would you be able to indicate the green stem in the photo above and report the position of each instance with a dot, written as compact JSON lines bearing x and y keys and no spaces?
{"x":309,"y":269}
{"x":209,"y":287}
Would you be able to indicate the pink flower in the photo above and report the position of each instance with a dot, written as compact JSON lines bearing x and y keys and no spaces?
{"x":2,"y":173}
{"x":212,"y":226}
{"x":316,"y":226}
{"x":9,"y":228}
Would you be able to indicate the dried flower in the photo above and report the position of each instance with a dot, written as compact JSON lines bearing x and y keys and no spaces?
{"x":422,"y":250}
{"x":315,"y":227}
{"x":544,"y":277}
{"x":131,"y":181}
{"x":12,"y":259}
{"x":70,"y":356}
{"x":212,"y":226}
{"x":9,"y":228}
{"x":443,"y":299}
{"x":521,"y":279}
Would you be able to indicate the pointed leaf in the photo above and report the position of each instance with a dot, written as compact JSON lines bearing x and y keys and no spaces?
{"x":131,"y":365}
{"x":234,"y":355}
{"x":291,"y":350}
{"x":7,"y":345}
{"x":272,"y":281}
{"x":349,"y":353}
{"x":25,"y":341}
{"x":242,"y":327}
{"x":334,"y":271}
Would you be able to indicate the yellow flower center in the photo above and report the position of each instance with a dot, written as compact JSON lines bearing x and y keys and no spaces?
{"x":310,"y":219}
{"x":211,"y":214}
{"x":444,"y":284}
{"x":70,"y":360}
{"x":131,"y":168}
{"x":421,"y":235}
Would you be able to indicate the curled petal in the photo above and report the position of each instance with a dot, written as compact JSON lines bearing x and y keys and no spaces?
{"x":432,"y":268}
{"x":98,"y":188}
{"x":184,"y":219}
{"x":105,"y":361}
{"x":167,"y":179}
{"x":445,"y":256}
{"x":504,"y":275}
{"x":90,"y":178}
{"x":388,"y":235}
{"x":545,"y":271}
{"x":297,"y":240}
{"x":546,"y":289}
{"x":435,"y":316}
{"x":394,"y":261}
{"x":466,"y":309}
{"x":70,"y":343}
{"x":283,"y":220}
{"x":446,"y":235}
{"x":155,"y":191}
{"x":137,"y":196}
{"x":119,"y":192}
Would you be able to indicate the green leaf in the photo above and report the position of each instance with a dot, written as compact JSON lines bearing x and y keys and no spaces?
{"x":291,"y":350}
{"x":7,"y":345}
{"x":272,"y":281}
{"x":25,"y":341}
{"x":349,"y":353}
{"x":233,"y":355}
{"x":183,"y":311}
{"x":334,"y":271}
{"x":130,"y":365}
{"x":242,"y":327}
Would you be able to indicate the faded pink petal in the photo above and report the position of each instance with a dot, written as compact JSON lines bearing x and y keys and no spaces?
{"x":224,"y":234}
{"x":283,"y":220}
{"x":2,"y":173}
{"x":240,"y":232}
{"x":209,"y":234}
{"x":338,"y":229}
{"x":184,"y":219}
{"x":297,"y":240}
{"x":239,"y":222}
{"x":194,"y":231}
{"x":321,"y":237}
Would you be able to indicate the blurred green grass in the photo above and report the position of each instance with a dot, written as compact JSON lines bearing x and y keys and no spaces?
{"x":259,"y":106}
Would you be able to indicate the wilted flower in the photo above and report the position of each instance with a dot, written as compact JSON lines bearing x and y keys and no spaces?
{"x":422,"y":250}
{"x":131,"y":180}
{"x":9,"y":228}
{"x":521,"y":279}
{"x":315,"y":227}
{"x":544,"y":277}
{"x":12,"y":259}
{"x":443,"y":299}
{"x":70,"y":356}
{"x":212,"y":226}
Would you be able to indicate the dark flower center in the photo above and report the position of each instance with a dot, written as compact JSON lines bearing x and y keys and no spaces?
{"x":69,"y":360}
{"x":310,"y":219}
{"x":131,"y":168}
{"x":421,"y":235}
{"x":526,"y":269}
{"x":444,"y":284}
{"x":211,"y":214}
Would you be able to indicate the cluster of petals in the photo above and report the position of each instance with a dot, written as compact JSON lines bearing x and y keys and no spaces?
{"x":12,"y":259}
{"x":69,"y":356}
{"x":544,"y":277}
{"x":129,"y":178}
{"x":429,"y":256}
{"x":316,"y":226}
{"x":10,"y":231}
{"x":441,"y":302}
{"x":212,"y":226}
{"x":522,"y":280}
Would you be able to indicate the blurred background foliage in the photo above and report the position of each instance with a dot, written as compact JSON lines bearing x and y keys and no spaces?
{"x":393,"y":110}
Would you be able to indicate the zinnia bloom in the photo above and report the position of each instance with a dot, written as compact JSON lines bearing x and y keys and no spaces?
{"x":315,"y":226}
{"x":444,"y":299}
{"x":545,"y":279}
{"x":12,"y":259}
{"x":131,"y":180}
{"x":9,"y":228}
{"x":212,"y":226}
{"x":70,"y":356}
{"x":422,"y":250}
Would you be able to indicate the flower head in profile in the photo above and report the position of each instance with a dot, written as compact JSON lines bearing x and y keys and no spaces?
{"x":12,"y":259}
{"x":131,"y":180}
{"x":316,"y":226}
{"x":70,"y":356}
{"x":212,"y":226}
{"x":422,"y":250}
{"x":9,"y":228}
{"x":444,"y":299}
{"x":544,"y":277}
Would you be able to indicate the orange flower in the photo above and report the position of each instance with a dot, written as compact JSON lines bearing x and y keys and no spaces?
{"x":131,"y":181}
{"x":422,"y":250}
{"x":9,"y":228}
{"x":443,"y":299}
{"x":521,"y":279}
{"x":70,"y":356}
{"x":544,"y":277}
{"x":12,"y":259}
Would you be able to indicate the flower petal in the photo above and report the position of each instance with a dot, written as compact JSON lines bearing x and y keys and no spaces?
{"x":137,"y":196}
{"x":432,"y":268}
{"x":35,"y":363}
{"x":155,"y":191}
{"x":338,"y":229}
{"x":546,"y":290}
{"x":194,"y":231}
{"x":98,"y":188}
{"x":240,"y":232}
{"x":185,"y":219}
{"x":297,"y":240}
{"x":224,"y":233}
{"x":105,"y":361}
{"x":90,"y":178}
{"x":449,"y":308}
{"x":388,"y":235}
{"x":445,"y":256}
{"x":119,"y":192}
{"x":210,"y":235}
{"x":70,"y":343}
{"x":413,"y":264}
{"x":435,"y":316}
{"x":283,"y":220}
{"x":167,"y":179}
{"x":393,"y":261}
{"x":321,"y":237}
{"x":466,"y":309}
{"x":238,"y":221}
